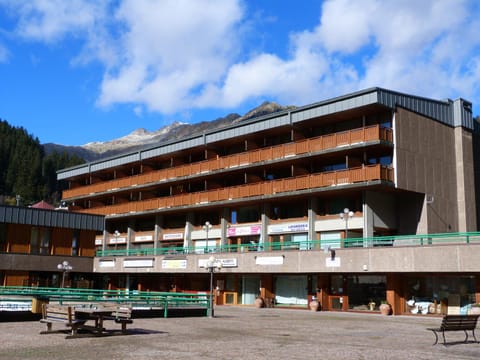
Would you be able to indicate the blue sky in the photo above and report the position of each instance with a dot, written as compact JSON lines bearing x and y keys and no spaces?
{"x":77,"y":71}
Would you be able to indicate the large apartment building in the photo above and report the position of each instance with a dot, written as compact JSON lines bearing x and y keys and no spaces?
{"x":338,"y":199}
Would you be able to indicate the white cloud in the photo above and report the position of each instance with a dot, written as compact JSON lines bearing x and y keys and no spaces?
{"x":169,"y":50}
{"x":51,"y":20}
{"x":171,"y":56}
{"x":428,"y":48}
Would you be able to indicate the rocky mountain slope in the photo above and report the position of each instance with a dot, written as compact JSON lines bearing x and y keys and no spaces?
{"x":141,"y":138}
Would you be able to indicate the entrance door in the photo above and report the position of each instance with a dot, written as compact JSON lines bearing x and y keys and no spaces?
{"x":250,"y":289}
{"x":338,"y":298}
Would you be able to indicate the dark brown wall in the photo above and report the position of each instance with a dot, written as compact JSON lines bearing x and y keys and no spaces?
{"x":426,"y":164}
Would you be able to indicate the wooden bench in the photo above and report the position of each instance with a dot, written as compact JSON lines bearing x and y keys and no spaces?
{"x":61,"y":314}
{"x":121,"y":314}
{"x":456,"y":323}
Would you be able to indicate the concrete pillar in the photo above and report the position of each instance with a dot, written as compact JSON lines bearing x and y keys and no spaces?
{"x":312,"y":216}
{"x":367,"y":219}
{"x":465,"y":184}
{"x":157,"y":231}
{"x":224,"y":221}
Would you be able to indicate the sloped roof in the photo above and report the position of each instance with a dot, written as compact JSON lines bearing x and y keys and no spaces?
{"x":43,"y":205}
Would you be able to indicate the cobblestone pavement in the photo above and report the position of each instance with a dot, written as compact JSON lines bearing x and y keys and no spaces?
{"x":245,"y":333}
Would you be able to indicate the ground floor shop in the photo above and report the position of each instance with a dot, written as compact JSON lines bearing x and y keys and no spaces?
{"x":416,"y":294}
{"x":409,"y":293}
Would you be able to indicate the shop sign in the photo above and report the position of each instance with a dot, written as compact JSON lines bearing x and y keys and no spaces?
{"x":118,"y":240}
{"x":143,"y":238}
{"x":226,"y":263}
{"x":269,"y":260}
{"x":98,"y":241}
{"x":173,"y":236}
{"x":329,"y":262}
{"x":288,"y":228}
{"x":106,"y":263}
{"x":244,"y":230}
{"x":174,"y":264}
{"x":137,"y":263}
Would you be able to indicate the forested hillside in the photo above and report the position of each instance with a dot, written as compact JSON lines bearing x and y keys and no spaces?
{"x":25,"y":170}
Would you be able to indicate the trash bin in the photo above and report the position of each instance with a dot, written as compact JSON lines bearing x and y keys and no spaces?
{"x":37,"y":304}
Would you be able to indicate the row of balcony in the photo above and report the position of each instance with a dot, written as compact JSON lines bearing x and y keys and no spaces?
{"x":265,"y":188}
{"x":312,"y":145}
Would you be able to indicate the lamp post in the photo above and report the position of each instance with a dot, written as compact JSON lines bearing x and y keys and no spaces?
{"x":64,"y":267}
{"x":116,"y":234}
{"x":207,"y":227}
{"x":212,"y":265}
{"x":346,"y":215}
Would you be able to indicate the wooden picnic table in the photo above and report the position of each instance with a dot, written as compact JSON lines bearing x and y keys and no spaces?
{"x":77,"y":316}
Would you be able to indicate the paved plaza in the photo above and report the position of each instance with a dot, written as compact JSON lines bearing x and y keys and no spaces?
{"x":245,"y":333}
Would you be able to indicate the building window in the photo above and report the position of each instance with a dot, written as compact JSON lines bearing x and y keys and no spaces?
{"x":45,"y":241}
{"x":75,"y":242}
{"x":34,"y":243}
{"x":3,"y":237}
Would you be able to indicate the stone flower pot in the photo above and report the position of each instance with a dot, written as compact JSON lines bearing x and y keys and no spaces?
{"x":259,"y":303}
{"x":385,"y":309}
{"x":314,"y":305}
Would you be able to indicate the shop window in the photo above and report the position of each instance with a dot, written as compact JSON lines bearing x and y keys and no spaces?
{"x":366,"y":292}
{"x":439,"y":295}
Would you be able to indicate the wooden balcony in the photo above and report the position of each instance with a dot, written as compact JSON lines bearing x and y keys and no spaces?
{"x":320,"y":180}
{"x":311,"y":145}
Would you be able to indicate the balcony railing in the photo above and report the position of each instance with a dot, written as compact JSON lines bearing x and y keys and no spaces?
{"x":312,"y":145}
{"x":320,"y":180}
{"x":384,"y":241}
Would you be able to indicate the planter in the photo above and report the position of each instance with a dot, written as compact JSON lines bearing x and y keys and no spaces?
{"x":314,"y":305}
{"x":259,"y":303}
{"x":385,"y":309}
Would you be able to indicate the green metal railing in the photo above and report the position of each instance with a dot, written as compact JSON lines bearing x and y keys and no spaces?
{"x":380,"y":241}
{"x":138,"y":299}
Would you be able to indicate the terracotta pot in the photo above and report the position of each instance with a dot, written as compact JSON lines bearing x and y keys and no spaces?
{"x":314,"y":305}
{"x":259,"y":303}
{"x":385,"y":309}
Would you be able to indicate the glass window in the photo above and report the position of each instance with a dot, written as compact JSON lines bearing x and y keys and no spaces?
{"x":366,"y":292}
{"x":248,"y":214}
{"x":34,"y":243}
{"x":439,"y":295}
{"x":3,"y":237}
{"x":45,"y":241}
{"x":75,"y":243}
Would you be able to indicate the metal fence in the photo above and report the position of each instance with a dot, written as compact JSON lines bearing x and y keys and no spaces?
{"x":381,"y":241}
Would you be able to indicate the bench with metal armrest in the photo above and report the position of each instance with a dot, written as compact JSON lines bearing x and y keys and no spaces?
{"x":456,"y":323}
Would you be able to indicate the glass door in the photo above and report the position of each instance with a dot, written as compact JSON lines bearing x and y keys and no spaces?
{"x":338,"y":298}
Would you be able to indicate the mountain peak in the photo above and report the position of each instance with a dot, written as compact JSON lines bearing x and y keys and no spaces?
{"x":142,"y":137}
